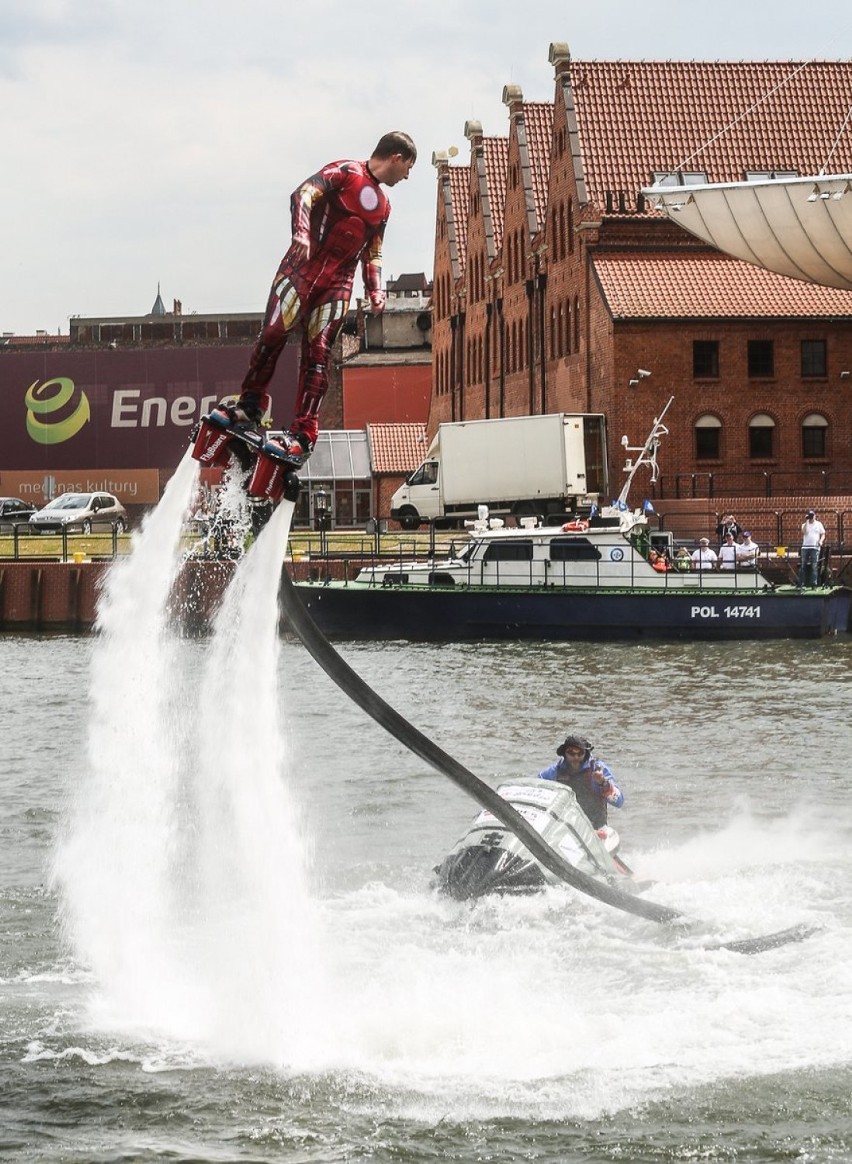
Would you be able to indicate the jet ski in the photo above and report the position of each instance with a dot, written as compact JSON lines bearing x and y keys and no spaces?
{"x":489,"y":858}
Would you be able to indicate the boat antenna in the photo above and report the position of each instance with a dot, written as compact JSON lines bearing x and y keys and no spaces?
{"x":647,"y":454}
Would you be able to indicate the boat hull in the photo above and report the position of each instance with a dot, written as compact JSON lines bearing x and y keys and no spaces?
{"x":461,"y":613}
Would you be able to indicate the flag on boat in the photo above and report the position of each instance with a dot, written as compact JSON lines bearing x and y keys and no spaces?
{"x":622,"y":505}
{"x":593,"y":512}
{"x":648,"y":506}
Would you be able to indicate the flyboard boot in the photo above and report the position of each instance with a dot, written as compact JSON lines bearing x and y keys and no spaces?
{"x":270,"y":463}
{"x":274,"y":474}
{"x":230,"y":429}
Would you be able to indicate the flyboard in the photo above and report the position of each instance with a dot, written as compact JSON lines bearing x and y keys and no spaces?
{"x":270,"y":468}
{"x":361,"y":693}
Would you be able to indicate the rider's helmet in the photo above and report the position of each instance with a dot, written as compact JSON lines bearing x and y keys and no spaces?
{"x":575,"y":741}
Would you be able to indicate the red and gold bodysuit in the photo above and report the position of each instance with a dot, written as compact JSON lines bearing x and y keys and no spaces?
{"x":338,"y":218}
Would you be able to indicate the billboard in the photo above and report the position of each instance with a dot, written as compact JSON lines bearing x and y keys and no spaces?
{"x":97,"y":416}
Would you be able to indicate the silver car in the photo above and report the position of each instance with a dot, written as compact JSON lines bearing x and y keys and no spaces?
{"x":83,"y":511}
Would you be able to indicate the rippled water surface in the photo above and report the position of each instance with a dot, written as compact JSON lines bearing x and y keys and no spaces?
{"x":238,"y":957}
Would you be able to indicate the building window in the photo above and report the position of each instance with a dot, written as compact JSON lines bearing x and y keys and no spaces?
{"x":708,"y":438}
{"x":814,"y":434}
{"x":705,"y":359}
{"x":761,"y":358}
{"x":814,"y":358}
{"x":761,"y":438}
{"x":766,"y":175}
{"x":679,"y":178}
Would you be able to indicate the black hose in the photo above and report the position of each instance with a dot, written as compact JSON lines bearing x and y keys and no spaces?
{"x":361,"y":693}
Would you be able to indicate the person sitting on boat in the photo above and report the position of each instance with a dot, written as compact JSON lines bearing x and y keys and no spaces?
{"x":683,"y":561}
{"x":589,"y":779}
{"x":747,"y":552}
{"x":704,"y":558}
{"x":659,"y":561}
{"x":728,"y":553}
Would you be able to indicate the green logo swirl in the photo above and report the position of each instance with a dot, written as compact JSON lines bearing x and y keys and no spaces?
{"x":39,"y":404}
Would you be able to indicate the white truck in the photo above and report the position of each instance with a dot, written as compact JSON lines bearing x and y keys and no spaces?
{"x":518,"y":466}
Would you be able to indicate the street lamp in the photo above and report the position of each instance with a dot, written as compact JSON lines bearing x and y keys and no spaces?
{"x":322,"y":517}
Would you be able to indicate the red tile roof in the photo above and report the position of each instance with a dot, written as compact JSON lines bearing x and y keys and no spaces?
{"x":34,"y":341}
{"x":396,"y":448}
{"x":538,"y":117}
{"x":636,"y":117}
{"x":496,"y":154}
{"x":683,"y":286}
{"x":460,"y":196}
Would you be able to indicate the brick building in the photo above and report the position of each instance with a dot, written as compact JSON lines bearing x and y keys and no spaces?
{"x":558,"y":286}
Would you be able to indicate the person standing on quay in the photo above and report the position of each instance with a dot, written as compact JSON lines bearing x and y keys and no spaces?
{"x":813,"y":537}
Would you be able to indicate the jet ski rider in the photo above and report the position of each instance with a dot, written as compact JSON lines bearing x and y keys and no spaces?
{"x":590,"y":779}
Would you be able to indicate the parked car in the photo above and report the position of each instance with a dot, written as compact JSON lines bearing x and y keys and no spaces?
{"x":83,"y":511}
{"x":14,"y":512}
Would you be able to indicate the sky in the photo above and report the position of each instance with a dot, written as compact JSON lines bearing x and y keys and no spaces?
{"x":158,"y":142}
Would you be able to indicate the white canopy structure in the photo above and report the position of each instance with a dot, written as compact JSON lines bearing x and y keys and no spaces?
{"x":801,"y":227}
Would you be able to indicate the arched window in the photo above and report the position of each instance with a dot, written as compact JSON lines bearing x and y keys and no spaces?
{"x":761,"y":435}
{"x":814,"y":435}
{"x":570,"y":226}
{"x":566,"y":346}
{"x":708,"y":438}
{"x":576,"y":323}
{"x":562,"y":231}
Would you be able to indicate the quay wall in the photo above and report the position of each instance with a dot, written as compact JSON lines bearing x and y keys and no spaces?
{"x":61,"y":597}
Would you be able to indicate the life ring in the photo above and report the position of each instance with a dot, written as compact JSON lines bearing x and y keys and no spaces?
{"x":575,"y":527}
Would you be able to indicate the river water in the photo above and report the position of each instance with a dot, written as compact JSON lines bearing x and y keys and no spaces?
{"x":218,"y":940}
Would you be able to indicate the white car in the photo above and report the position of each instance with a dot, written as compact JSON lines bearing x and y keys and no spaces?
{"x":83,"y":511}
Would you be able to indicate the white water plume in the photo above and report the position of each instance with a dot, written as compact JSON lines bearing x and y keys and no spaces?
{"x":111,"y":862}
{"x":181,"y":867}
{"x":256,"y":942}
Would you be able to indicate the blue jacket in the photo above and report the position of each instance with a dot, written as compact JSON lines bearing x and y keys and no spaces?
{"x":591,"y":797}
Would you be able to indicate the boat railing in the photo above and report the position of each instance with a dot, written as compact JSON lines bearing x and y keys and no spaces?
{"x":638,"y":575}
{"x":778,"y":566}
{"x":601,"y":574}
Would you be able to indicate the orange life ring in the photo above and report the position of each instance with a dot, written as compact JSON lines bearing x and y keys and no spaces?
{"x":575,"y":527}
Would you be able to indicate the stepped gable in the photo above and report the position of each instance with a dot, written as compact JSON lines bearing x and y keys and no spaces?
{"x":636,"y":117}
{"x":680,"y":285}
{"x":396,"y":448}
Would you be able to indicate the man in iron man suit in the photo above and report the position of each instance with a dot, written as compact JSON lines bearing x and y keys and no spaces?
{"x":338,"y":219}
